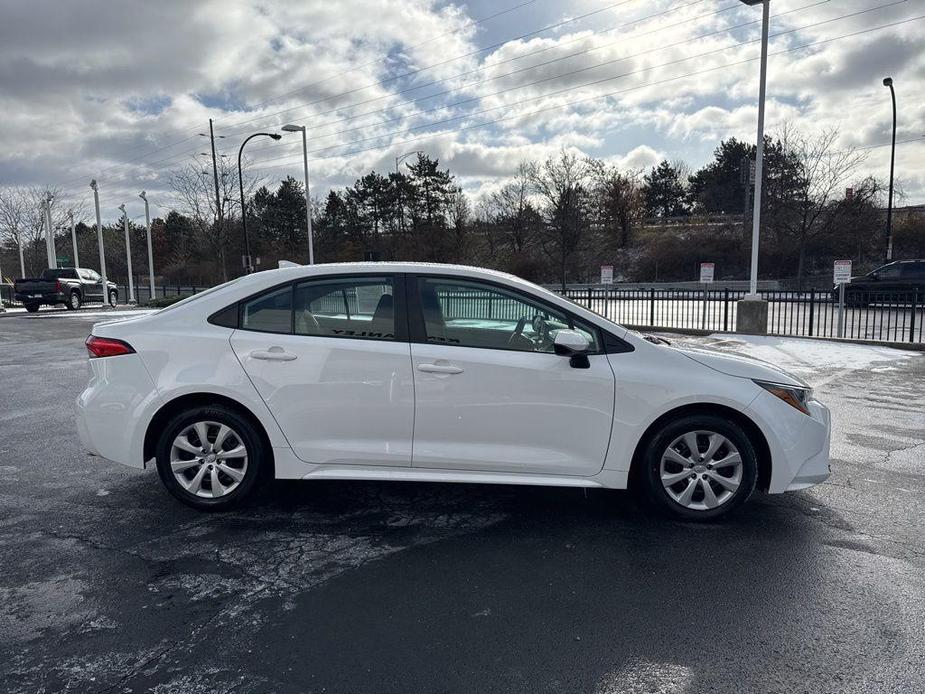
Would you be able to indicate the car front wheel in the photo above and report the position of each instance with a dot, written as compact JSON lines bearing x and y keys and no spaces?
{"x":113,"y":298}
{"x":700,"y":467}
{"x":210,"y":457}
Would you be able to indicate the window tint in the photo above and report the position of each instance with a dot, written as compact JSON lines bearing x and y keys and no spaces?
{"x":473,"y":314}
{"x":913,"y":271}
{"x":362,"y":307}
{"x":270,"y":313}
{"x":888,"y":272}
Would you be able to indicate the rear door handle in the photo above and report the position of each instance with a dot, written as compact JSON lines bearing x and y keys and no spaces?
{"x":273,"y":354}
{"x":439,"y":369}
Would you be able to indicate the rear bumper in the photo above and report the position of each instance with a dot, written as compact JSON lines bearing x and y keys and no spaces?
{"x":111,"y":410}
{"x":53,"y":298}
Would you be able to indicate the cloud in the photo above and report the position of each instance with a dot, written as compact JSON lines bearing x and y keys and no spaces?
{"x":120,"y":91}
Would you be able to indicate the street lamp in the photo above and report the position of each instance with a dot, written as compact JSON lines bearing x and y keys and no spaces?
{"x":888,"y":82}
{"x":49,"y":233}
{"x":144,"y":197}
{"x":70,"y":214}
{"x":248,"y":267}
{"x":99,"y":239}
{"x":128,"y":255}
{"x":308,"y":205}
{"x":752,"y":312}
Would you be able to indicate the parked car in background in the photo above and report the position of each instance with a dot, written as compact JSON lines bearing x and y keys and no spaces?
{"x":71,"y":286}
{"x":436,"y":373}
{"x":888,"y":283}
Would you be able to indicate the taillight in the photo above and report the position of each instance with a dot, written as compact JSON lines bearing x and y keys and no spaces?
{"x":58,"y":286}
{"x":107,"y":347}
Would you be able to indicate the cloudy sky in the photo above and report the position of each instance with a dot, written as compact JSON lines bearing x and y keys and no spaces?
{"x":120,"y":91}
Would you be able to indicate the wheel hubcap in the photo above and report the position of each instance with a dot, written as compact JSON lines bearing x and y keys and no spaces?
{"x":701,"y":470}
{"x":208,"y":459}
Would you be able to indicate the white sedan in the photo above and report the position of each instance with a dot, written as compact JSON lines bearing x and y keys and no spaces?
{"x":406,"y":371}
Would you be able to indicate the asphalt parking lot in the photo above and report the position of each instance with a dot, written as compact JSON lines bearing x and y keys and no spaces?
{"x":109,"y":585}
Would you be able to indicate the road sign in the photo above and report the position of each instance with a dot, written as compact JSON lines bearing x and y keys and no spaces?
{"x":842,"y":271}
{"x":606,"y":274}
{"x":706,"y":273}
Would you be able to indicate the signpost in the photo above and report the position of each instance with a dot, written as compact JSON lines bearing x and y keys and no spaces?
{"x":706,"y":277}
{"x":841,"y":275}
{"x":606,"y":274}
{"x":706,"y":273}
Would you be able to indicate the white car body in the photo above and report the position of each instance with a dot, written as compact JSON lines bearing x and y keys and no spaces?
{"x":347,"y":408}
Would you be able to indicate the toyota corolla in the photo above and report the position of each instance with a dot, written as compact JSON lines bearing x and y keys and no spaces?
{"x":438,"y":373}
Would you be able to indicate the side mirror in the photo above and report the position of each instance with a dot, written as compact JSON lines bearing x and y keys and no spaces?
{"x":572,"y":344}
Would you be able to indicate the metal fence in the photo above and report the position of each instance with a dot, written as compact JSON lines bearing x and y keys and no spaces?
{"x":883,"y":316}
{"x":142,"y":292}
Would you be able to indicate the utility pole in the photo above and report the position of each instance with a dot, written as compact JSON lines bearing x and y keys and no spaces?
{"x":144,"y":197}
{"x":99,"y":239}
{"x":219,"y":214}
{"x":128,"y":255}
{"x":50,"y":233}
{"x":70,"y":214}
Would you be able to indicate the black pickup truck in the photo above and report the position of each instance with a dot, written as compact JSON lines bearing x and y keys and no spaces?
{"x":71,"y":286}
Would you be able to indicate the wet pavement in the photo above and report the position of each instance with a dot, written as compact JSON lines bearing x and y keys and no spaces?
{"x":109,"y":585}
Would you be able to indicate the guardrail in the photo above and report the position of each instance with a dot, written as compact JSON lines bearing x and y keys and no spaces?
{"x":889,"y":316}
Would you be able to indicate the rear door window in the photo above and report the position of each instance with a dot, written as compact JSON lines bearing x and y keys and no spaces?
{"x":350,"y":307}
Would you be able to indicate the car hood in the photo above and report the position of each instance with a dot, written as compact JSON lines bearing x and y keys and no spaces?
{"x":740,"y":365}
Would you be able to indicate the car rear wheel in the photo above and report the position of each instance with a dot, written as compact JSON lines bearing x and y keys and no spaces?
{"x":700,"y":467}
{"x":210,"y":458}
{"x":31,"y":308}
{"x":73,"y":301}
{"x":113,"y":298}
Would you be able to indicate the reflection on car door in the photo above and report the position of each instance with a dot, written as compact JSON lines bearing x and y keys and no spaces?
{"x":330,"y":358}
{"x":490,"y":393}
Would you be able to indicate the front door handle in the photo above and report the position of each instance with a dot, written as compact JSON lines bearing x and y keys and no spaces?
{"x":439,"y":369}
{"x":273,"y":354}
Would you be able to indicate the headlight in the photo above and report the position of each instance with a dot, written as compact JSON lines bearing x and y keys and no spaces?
{"x":795,"y":396}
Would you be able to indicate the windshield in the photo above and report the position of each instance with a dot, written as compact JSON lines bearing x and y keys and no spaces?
{"x":188,"y":300}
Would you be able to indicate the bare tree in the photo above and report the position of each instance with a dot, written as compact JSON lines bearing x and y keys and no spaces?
{"x":810,"y":196}
{"x":194,"y":193}
{"x":560,"y":183}
{"x":22,"y":222}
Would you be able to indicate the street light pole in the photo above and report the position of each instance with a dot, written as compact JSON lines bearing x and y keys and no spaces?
{"x":144,"y":197}
{"x":99,"y":239}
{"x":752,"y":311}
{"x":128,"y":255}
{"x":308,"y":203}
{"x":888,"y":82}
{"x":70,"y":214}
{"x":248,"y":265}
{"x":49,"y":233}
{"x":759,"y":154}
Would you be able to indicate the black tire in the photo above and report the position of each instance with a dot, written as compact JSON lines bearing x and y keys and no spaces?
{"x":658,"y":447}
{"x":31,"y":308}
{"x":73,"y":301}
{"x":113,"y":298}
{"x":257,"y":460}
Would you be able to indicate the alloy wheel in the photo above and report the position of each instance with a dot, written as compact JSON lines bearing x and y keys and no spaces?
{"x":208,"y":459}
{"x":701,"y":470}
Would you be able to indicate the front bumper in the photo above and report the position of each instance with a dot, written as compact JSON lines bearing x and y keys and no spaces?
{"x":799,"y":444}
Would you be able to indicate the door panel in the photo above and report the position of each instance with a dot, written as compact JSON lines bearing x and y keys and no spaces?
{"x":510,"y":411}
{"x":339,"y":400}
